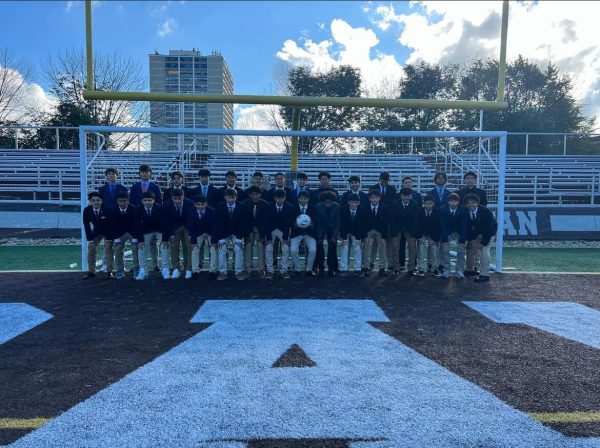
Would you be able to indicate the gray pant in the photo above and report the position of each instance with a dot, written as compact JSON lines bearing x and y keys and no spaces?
{"x":311,"y":246}
{"x":484,"y":254}
{"x":238,"y":255}
{"x":254,"y":237}
{"x":151,"y":240}
{"x":285,"y":252}
{"x":198,"y":253}
{"x":394,"y":261}
{"x":119,"y":249}
{"x":374,"y":243}
{"x":351,"y":243}
{"x":460,"y":253}
{"x":428,"y":253}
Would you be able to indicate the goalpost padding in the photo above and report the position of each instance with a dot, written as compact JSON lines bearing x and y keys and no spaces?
{"x":454,"y":152}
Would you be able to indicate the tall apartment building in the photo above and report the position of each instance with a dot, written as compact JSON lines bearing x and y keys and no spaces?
{"x":184,"y":71}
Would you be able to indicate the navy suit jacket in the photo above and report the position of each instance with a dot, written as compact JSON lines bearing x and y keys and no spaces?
{"x":278,"y":220}
{"x":257,"y":221}
{"x":454,"y":224}
{"x":121,"y":224}
{"x":477,"y":191}
{"x":197,"y":226}
{"x":147,"y":224}
{"x":109,"y":200}
{"x":356,"y":227}
{"x":379,"y":222}
{"x":293,"y":198}
{"x":390,"y":193}
{"x":268,"y":195}
{"x":317,"y":193}
{"x":95,"y":226}
{"x":226,"y":225}
{"x":439,"y":201}
{"x":401,"y":219}
{"x":311,"y":211}
{"x":428,"y":225}
{"x":328,"y":226}
{"x":241,"y":194}
{"x":135,"y":193}
{"x":171,"y":220}
{"x":416,"y":196}
{"x":213,"y":195}
{"x":188,"y":193}
{"x":364,"y":198}
{"x":484,"y":225}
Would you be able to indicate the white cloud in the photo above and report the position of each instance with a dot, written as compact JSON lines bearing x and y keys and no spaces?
{"x":28,"y":98}
{"x":347,"y":46}
{"x":168,"y":26}
{"x":564,"y":33}
{"x":263,"y":117}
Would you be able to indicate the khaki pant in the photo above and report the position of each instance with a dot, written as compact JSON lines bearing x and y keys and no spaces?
{"x":92,"y":249}
{"x":351,"y":243}
{"x":394,"y":252}
{"x":238,"y":255}
{"x":375,"y":242}
{"x":151,"y":240}
{"x":119,"y":248}
{"x":285,"y":252}
{"x":198,"y":253}
{"x":252,"y":238}
{"x":483,"y":254}
{"x":460,"y":253}
{"x":311,"y":246}
{"x":181,"y":236}
{"x":428,"y":253}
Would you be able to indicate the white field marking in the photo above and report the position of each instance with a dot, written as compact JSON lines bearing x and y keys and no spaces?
{"x":566,"y":319}
{"x":17,"y":318}
{"x":217,"y":389}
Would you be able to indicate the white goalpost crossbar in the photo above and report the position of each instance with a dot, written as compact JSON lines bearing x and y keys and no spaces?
{"x":500,"y":135}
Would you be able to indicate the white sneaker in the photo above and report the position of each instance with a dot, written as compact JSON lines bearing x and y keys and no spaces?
{"x":446,"y":273}
{"x":188,"y":275}
{"x":460,"y":274}
{"x":165,"y":274}
{"x":176,"y":273}
{"x":141,"y":274}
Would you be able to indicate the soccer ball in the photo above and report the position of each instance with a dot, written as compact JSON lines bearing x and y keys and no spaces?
{"x":303,"y":221}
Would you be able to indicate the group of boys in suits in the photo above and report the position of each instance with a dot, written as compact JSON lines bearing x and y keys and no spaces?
{"x":379,"y":224}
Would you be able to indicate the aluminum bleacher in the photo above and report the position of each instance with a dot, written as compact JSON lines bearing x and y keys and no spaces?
{"x":52,"y":176}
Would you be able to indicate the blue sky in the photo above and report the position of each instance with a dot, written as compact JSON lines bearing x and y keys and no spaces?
{"x":258,"y":39}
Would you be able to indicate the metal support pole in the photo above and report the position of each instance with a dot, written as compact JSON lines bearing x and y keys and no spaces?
{"x":526,"y":144}
{"x":500,"y":209}
{"x":295,"y":127}
{"x":83,"y":190}
{"x":88,"y":45}
{"x":502,"y":63}
{"x":17,"y":138}
{"x":57,"y":139}
{"x":565,"y":145}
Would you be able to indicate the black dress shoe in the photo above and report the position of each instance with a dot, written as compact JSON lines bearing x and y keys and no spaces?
{"x":382,"y":273}
{"x":331,"y":273}
{"x":470,"y":273}
{"x":310,"y":274}
{"x":88,"y":276}
{"x":482,"y":279}
{"x":109,"y":275}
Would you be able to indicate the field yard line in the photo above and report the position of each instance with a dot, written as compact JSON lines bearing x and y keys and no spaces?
{"x":566,"y":417}
{"x":23,"y":423}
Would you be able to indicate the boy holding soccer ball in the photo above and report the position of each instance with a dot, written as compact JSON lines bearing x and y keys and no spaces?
{"x":304,"y":230}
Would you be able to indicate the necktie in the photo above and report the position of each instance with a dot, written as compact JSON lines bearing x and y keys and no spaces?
{"x":230,"y":211}
{"x":149,"y":211}
{"x":405,"y":206}
{"x":374,"y":210}
{"x":179,"y":210}
{"x":353,"y":214}
{"x":123,"y":212}
{"x":473,"y":216}
{"x":200,"y":215}
{"x":254,"y":211}
{"x":427,"y":214}
{"x":278,"y":209}
{"x":112,"y":189}
{"x":97,"y":213}
{"x":453,"y":211}
{"x":441,"y":193}
{"x":144,"y":187}
{"x":382,"y":191}
{"x":304,"y":210}
{"x":204,"y":188}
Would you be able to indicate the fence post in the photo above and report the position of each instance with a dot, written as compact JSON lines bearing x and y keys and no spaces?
{"x":526,"y":144}
{"x":57,"y":139}
{"x":535,"y":188}
{"x":17,"y":138}
{"x":565,"y":145}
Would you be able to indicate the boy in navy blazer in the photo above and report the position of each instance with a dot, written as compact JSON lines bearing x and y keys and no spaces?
{"x":404,"y":212}
{"x":148,"y":233}
{"x":454,"y":227}
{"x":257,"y":181}
{"x":427,"y":233}
{"x":96,"y":225}
{"x":354,"y":183}
{"x":352,"y":233}
{"x":278,"y":221}
{"x":122,"y":229}
{"x":175,"y":233}
{"x":255,"y":208}
{"x":111,"y":188}
{"x":308,"y":236}
{"x":324,"y":185}
{"x":301,"y":181}
{"x":439,"y":193}
{"x":230,"y":184}
{"x":279,"y":185}
{"x":200,"y":226}
{"x":408,"y":182}
{"x":470,"y":179}
{"x":482,"y":228}
{"x":144,"y":185}
{"x":229,"y":229}
{"x":377,"y":229}
{"x":387,"y":192}
{"x":177,"y":179}
{"x":328,"y":229}
{"x":206,"y":189}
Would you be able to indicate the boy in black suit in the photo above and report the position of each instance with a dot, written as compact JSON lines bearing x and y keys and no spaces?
{"x":354,"y":182}
{"x":404,"y":212}
{"x":387,"y":192}
{"x":229,"y":228}
{"x":257,"y":181}
{"x":328,"y":229}
{"x":427,"y":233}
{"x":308,"y":235}
{"x":301,"y":181}
{"x":206,"y":189}
{"x":122,"y":229}
{"x":144,"y":185}
{"x":440,"y":193}
{"x":148,"y":233}
{"x":482,"y":228}
{"x":95,"y":224}
{"x":470,"y":179}
{"x":454,"y":227}
{"x":111,"y":188}
{"x":200,"y":225}
{"x":352,"y":233}
{"x":175,"y":214}
{"x":279,"y":185}
{"x":255,"y":208}
{"x":177,"y":179}
{"x":408,"y":182}
{"x":277,"y":224}
{"x":324,"y":185}
{"x":377,"y":230}
{"x":230,"y":184}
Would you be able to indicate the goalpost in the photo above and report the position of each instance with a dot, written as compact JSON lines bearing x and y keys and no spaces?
{"x":365,"y":153}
